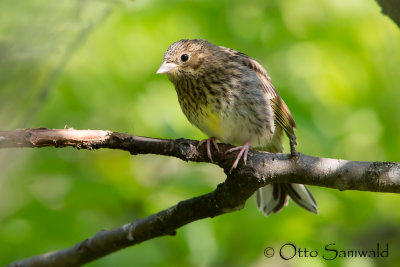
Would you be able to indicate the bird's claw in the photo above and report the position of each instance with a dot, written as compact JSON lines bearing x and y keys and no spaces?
{"x":243,"y":151}
{"x":208,"y":146}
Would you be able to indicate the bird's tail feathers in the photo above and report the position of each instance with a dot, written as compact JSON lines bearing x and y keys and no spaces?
{"x":273,"y":197}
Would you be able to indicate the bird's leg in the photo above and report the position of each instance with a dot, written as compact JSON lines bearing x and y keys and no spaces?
{"x":208,"y":146}
{"x":243,"y":150}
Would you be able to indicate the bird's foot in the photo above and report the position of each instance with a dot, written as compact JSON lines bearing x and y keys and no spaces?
{"x":243,"y":151}
{"x":208,"y":146}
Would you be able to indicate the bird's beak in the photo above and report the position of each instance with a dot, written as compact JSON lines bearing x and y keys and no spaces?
{"x":166,"y":67}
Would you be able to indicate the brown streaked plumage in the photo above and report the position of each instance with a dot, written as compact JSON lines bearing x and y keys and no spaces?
{"x":229,"y":96}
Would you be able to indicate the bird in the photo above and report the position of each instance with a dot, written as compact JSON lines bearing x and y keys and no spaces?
{"x":230,"y":97}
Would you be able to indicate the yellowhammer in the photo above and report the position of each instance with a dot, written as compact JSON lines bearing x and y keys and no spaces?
{"x":229,"y":96}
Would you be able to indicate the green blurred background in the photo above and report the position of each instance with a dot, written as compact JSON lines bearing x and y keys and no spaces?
{"x":91,"y":65}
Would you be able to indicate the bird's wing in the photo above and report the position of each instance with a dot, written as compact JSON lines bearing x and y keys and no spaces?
{"x":283,"y":115}
{"x":282,"y":112}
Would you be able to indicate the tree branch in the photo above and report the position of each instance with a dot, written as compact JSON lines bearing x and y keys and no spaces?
{"x":391,"y":8}
{"x":261,"y":168}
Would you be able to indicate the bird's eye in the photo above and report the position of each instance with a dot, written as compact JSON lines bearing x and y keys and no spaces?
{"x":184,"y":57}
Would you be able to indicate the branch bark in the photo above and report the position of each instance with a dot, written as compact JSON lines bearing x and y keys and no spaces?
{"x":391,"y":8}
{"x":261,"y":168}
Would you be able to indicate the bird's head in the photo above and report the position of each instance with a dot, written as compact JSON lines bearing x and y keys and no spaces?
{"x":187,"y":58}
